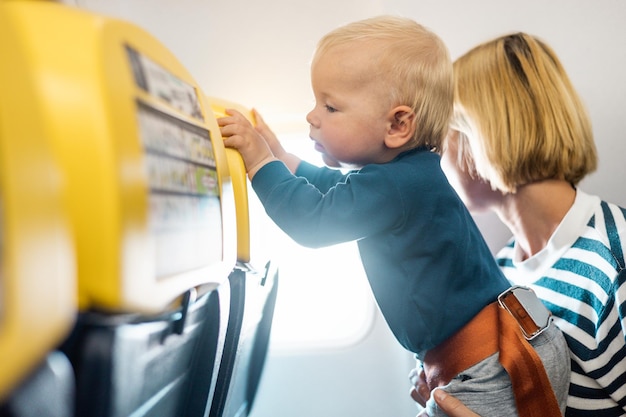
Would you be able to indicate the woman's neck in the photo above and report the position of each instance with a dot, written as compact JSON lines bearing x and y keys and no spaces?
{"x":534,"y":212}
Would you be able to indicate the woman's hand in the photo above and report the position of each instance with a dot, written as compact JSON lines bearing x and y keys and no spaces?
{"x":450,"y":405}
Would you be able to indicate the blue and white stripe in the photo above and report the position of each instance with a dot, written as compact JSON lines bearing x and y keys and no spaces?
{"x":585,"y":288}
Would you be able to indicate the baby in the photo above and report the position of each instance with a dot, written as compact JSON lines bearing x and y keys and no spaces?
{"x":383,"y":101}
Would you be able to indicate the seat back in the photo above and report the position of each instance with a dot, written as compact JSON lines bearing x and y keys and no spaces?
{"x":149,"y":203}
{"x":155,"y":231}
{"x":252,"y":295}
{"x":37,"y":270}
{"x":146,"y":169}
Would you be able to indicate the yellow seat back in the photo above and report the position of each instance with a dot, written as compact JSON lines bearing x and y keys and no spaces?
{"x":147,"y":174}
{"x":239,"y":181}
{"x":37,"y":263}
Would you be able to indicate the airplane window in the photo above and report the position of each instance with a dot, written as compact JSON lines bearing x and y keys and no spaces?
{"x":324,"y":299}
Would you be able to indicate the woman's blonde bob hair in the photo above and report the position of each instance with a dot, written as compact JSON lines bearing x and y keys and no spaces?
{"x":410,"y":64}
{"x":520,"y":115}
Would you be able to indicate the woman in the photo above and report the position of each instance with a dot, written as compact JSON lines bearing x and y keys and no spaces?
{"x":520,"y":143}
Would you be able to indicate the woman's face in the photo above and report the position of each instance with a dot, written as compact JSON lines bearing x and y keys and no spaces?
{"x":474,"y":191}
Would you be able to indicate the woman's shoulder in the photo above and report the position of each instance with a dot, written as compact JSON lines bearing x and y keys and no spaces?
{"x":607,"y":223}
{"x":608,"y":217}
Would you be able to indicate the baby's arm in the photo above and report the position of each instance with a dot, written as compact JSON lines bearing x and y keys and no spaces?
{"x":289,"y":159}
{"x":239,"y":133}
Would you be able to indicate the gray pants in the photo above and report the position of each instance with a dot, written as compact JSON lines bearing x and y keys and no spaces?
{"x":486,"y":388}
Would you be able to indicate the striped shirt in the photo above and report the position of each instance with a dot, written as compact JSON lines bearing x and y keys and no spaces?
{"x":580,"y":276}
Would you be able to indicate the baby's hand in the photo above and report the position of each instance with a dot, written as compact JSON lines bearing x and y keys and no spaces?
{"x":275,"y":146}
{"x":420,"y":392}
{"x":239,"y":133}
{"x":290,"y":160}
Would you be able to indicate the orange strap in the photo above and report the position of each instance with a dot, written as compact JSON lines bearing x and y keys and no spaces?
{"x":493,"y":330}
{"x":474,"y":342}
{"x":534,"y":395}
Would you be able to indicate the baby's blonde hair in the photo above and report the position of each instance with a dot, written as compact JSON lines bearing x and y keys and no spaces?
{"x":414,"y":67}
{"x":520,"y":114}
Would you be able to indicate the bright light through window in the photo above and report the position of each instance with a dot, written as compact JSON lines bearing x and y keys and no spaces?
{"x":324,"y":299}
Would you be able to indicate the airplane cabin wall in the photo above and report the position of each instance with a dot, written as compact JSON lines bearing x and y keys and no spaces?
{"x":257,"y":53}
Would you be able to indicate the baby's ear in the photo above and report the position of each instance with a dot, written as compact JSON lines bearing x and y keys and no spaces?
{"x":401,"y":126}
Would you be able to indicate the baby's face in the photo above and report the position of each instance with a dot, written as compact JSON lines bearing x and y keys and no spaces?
{"x":349,"y":120}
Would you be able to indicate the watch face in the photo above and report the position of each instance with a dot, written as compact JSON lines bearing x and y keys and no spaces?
{"x":531,"y":314}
